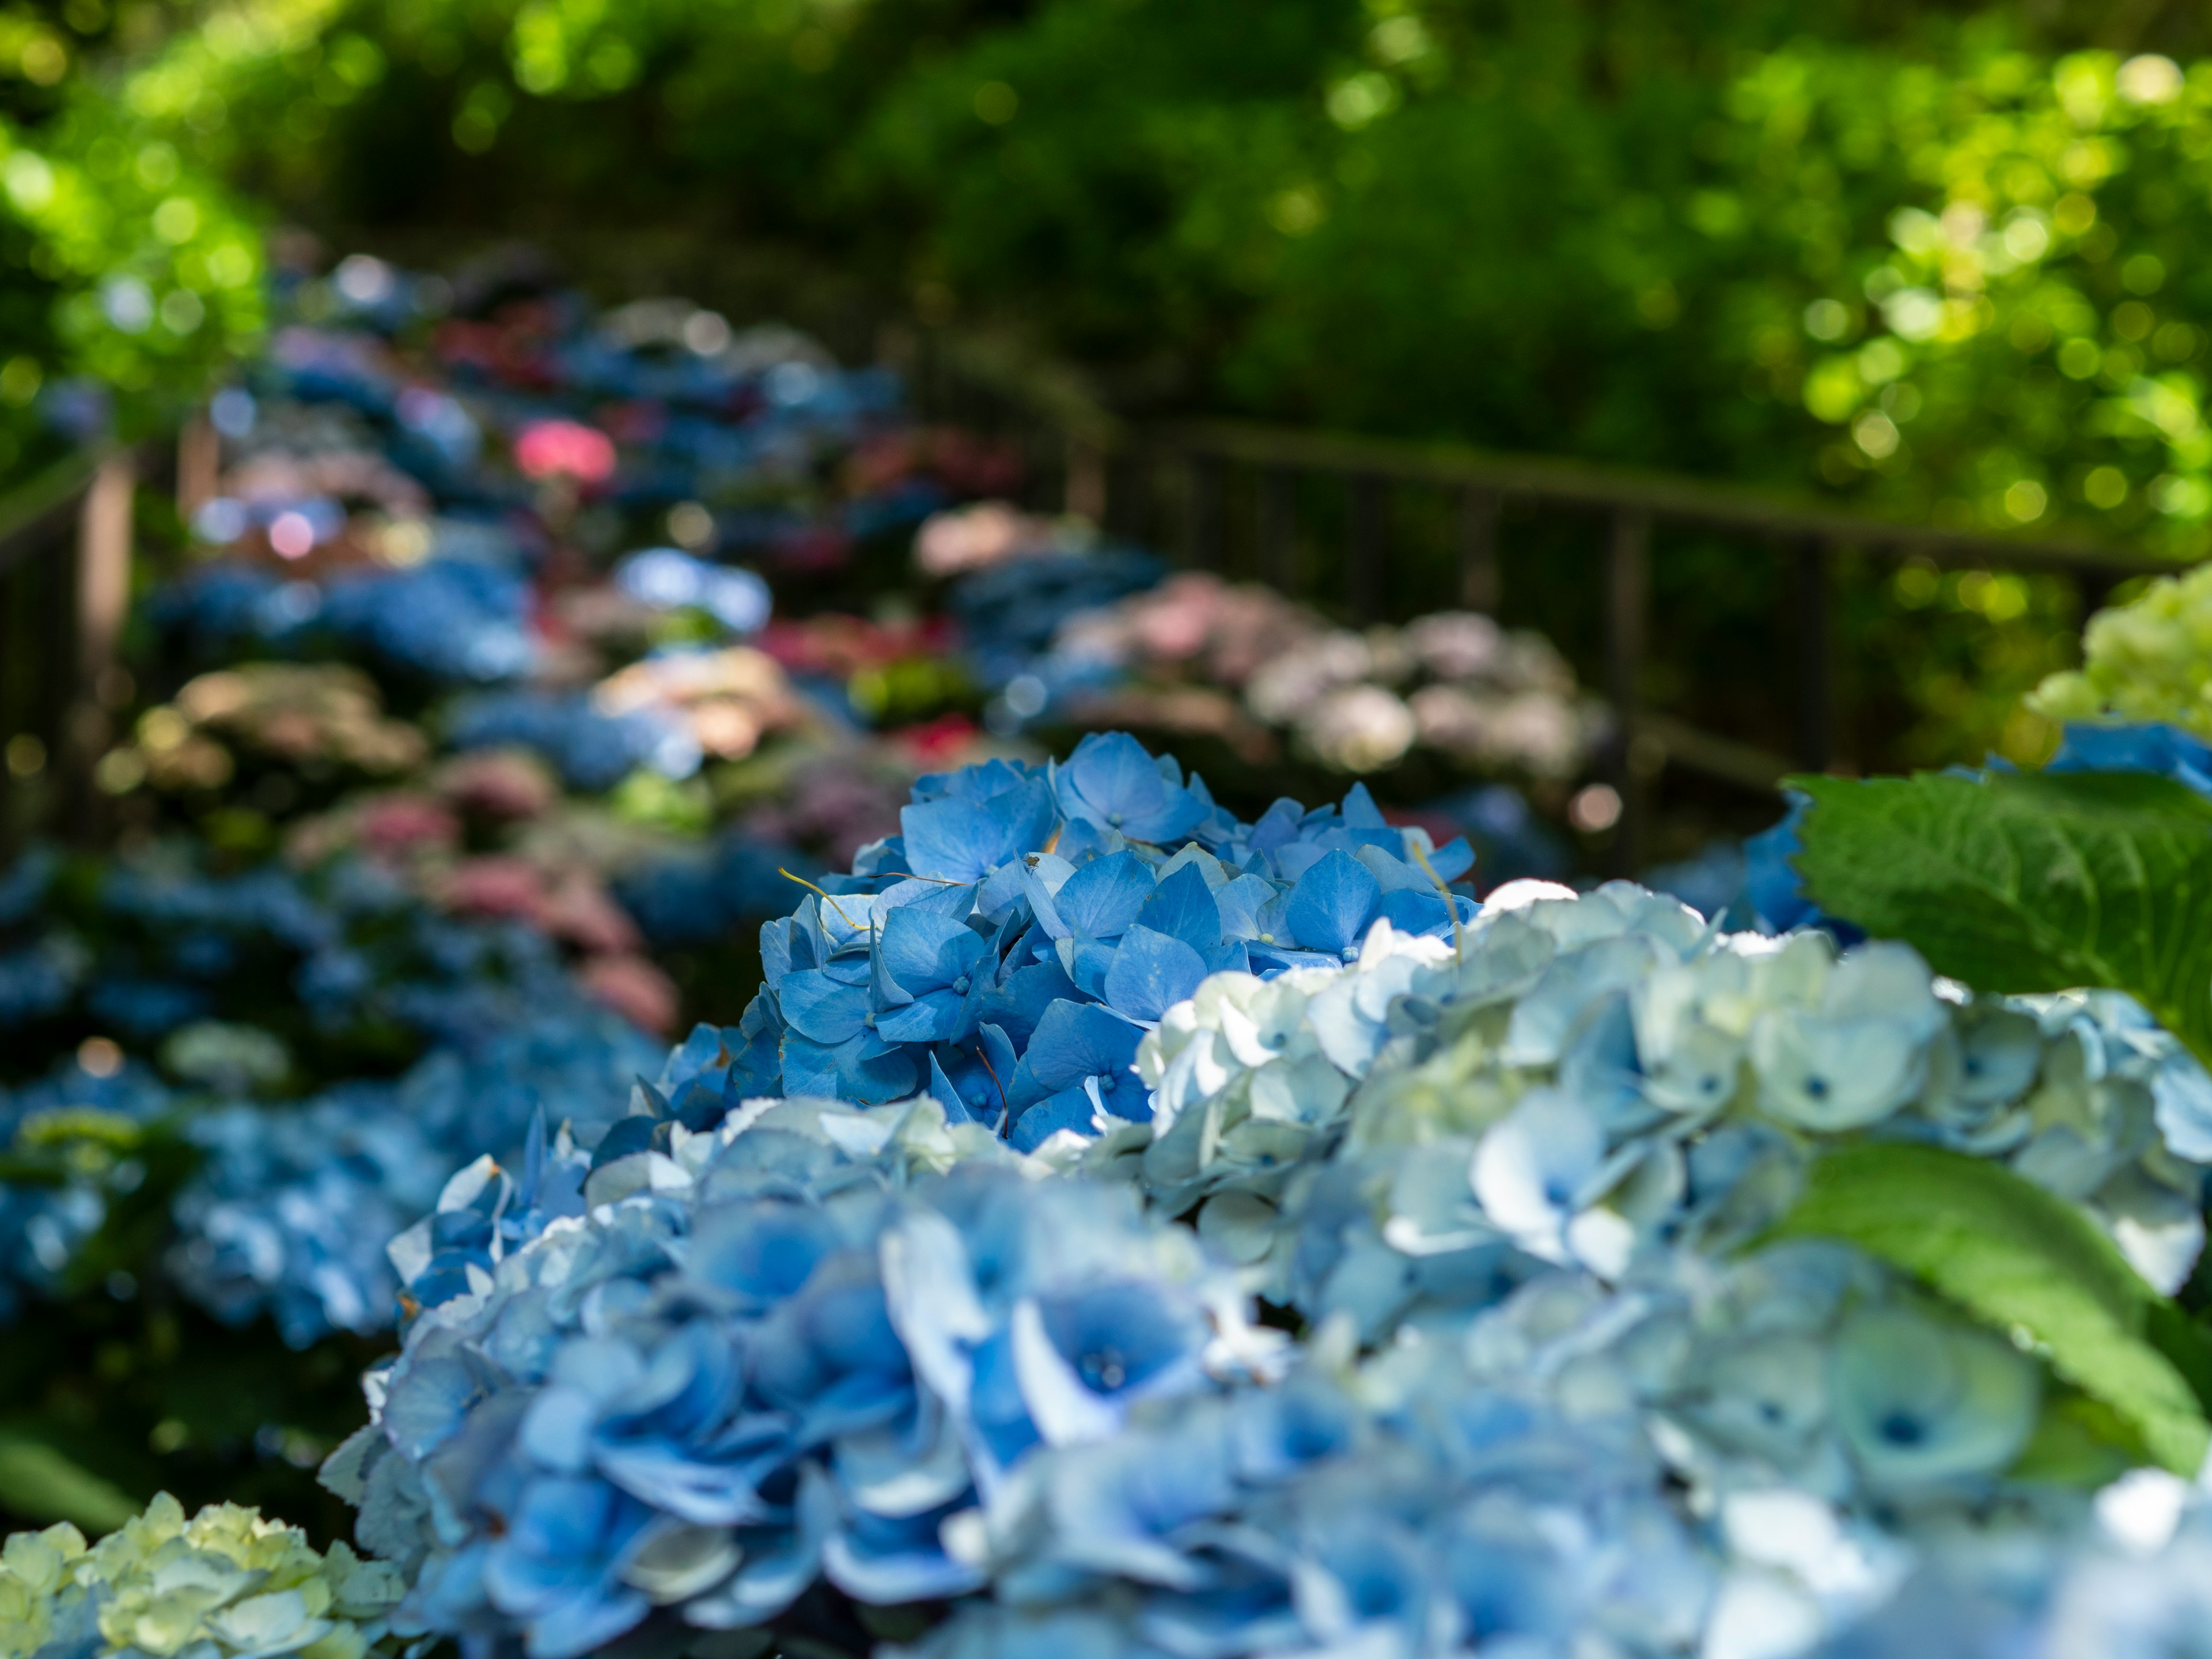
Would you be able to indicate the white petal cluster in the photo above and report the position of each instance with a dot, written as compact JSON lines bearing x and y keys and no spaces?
{"x":1608,"y":1075}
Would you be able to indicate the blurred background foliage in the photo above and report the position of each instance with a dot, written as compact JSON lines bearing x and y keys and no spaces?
{"x":1950,"y":261}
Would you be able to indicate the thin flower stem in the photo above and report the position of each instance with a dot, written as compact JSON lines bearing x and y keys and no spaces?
{"x":1451,"y":907}
{"x":826,"y":898}
{"x":1005,"y":1111}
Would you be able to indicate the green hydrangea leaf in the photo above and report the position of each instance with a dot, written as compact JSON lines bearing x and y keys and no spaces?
{"x":2028,"y":884}
{"x":40,"y":1483}
{"x":2080,"y":1442}
{"x":2028,"y":1263}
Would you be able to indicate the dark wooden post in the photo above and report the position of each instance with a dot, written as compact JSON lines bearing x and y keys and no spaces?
{"x":2094,"y":588}
{"x":1086,"y":493}
{"x":1367,"y":532}
{"x":1129,"y":504}
{"x":1480,"y":585}
{"x":1279,"y":529}
{"x":38,"y":666}
{"x":1202,"y":512}
{"x":1123,"y":477}
{"x":1816,"y":663}
{"x":1627,"y":601}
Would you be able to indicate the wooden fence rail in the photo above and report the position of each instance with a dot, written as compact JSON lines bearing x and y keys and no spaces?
{"x":1209,"y":457}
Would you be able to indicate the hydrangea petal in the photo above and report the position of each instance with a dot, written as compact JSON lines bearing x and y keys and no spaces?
{"x":1333,"y":904}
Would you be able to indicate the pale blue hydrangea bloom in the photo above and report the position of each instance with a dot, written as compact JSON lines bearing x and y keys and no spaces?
{"x":1609,"y":1076}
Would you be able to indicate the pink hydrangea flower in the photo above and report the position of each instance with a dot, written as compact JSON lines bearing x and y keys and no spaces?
{"x":552,"y":449}
{"x":635,"y":989}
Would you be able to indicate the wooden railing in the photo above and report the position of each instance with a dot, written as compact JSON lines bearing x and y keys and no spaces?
{"x":1195,"y":465}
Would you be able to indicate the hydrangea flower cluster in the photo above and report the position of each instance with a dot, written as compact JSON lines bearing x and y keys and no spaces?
{"x":1009,"y":947}
{"x":322,"y":717}
{"x":2133,"y":1587}
{"x":725,"y":701}
{"x":1514,"y":1176}
{"x":1507,"y":1474}
{"x":528,"y":400}
{"x":38,"y":977}
{"x":1196,"y":654}
{"x":2143,"y":662}
{"x":592,"y":749}
{"x":290,"y":1210}
{"x":666,"y":578}
{"x":291,"y":1203}
{"x":805,"y":1345}
{"x":150,"y":943}
{"x":292,"y":1199}
{"x":455,"y":620}
{"x":706,"y":892}
{"x":225,"y":1585}
{"x":1404,"y":1504}
{"x":71,"y":1140}
{"x":1599,"y":1080}
{"x":1009,"y":611}
{"x":286,"y":1209}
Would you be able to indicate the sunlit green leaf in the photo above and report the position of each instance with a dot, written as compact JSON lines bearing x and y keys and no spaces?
{"x":2028,"y":1263}
{"x":2029,"y":883}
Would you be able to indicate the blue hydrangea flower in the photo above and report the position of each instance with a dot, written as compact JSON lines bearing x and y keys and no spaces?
{"x":1092,"y":1064}
{"x":1410,"y":1513}
{"x":2161,"y":749}
{"x":1011,"y":946}
{"x":1111,"y":783}
{"x":591,"y":750}
{"x":287,"y":1213}
{"x":799,"y":1356}
{"x":292,"y":1203}
{"x":315,"y":1213}
{"x":458,"y":620}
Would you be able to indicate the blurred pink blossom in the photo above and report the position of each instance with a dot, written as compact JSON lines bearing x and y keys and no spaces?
{"x":580,"y":910}
{"x":938,"y":744}
{"x":1196,"y":624}
{"x":550,"y":449}
{"x":493,"y":886}
{"x":634,"y":987}
{"x":404,"y":821}
{"x":1455,"y":645}
{"x":499,"y":783}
